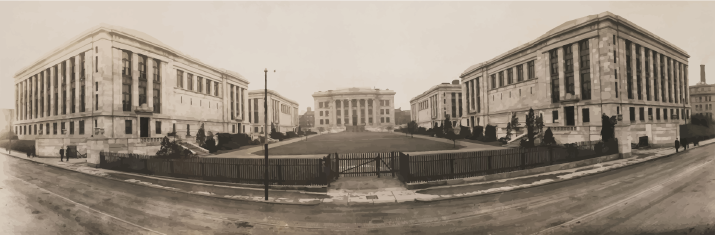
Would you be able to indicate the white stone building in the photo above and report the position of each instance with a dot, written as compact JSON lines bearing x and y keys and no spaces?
{"x":354,"y":109}
{"x":282,"y":112}
{"x":431,"y":108}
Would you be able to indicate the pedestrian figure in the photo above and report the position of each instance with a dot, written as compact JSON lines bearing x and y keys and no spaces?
{"x":62,"y":154}
{"x":28,"y":154}
{"x":68,"y":153}
{"x":684,"y":143}
{"x":677,"y":145}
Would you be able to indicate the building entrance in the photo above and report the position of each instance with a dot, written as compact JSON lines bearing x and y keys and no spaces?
{"x":144,"y":127}
{"x":569,"y":116}
{"x":355,"y":120}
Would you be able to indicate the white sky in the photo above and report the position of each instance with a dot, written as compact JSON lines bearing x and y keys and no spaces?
{"x":316,"y":46}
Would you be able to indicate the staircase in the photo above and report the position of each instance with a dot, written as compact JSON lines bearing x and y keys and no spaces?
{"x":199,"y":151}
{"x":516,"y":141}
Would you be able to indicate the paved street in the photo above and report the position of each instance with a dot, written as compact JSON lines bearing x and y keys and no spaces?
{"x":670,"y":194}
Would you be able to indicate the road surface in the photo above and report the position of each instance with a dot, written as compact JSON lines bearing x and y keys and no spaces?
{"x":671,"y":195}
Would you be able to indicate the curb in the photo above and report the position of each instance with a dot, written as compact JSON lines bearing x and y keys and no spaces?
{"x":516,"y":189}
{"x":180,"y":191}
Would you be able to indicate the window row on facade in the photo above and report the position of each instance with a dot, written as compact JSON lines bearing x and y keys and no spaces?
{"x":584,"y":70}
{"x":149,"y":90}
{"x":668,"y":76}
{"x":57,"y":90}
{"x":203,"y":85}
{"x":516,"y":71}
{"x":51,"y":128}
{"x":701,"y":107}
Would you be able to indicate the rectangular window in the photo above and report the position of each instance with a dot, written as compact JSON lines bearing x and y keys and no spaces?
{"x":216,"y":88}
{"x":127,"y":127}
{"x":665,"y":114}
{"x":568,"y":69}
{"x":71,"y":128}
{"x":531,"y":71}
{"x":188,"y":130}
{"x":476,"y":93}
{"x":650,"y":114}
{"x":641,"y":112}
{"x":494,"y":81}
{"x":555,"y":115}
{"x":554,"y":71}
{"x":586,"y":115}
{"x":387,"y":119}
{"x":180,"y":78}
{"x":510,"y":75}
{"x":54,"y":128}
{"x":47,"y":128}
{"x":382,"y":120}
{"x":647,"y":73}
{"x":208,"y":87}
{"x":632,"y":112}
{"x":639,"y":73}
{"x":520,"y":73}
{"x":629,"y":71}
{"x":64,"y":131}
{"x":157,"y":125}
{"x":190,"y":81}
{"x":387,"y":103}
{"x":81,"y":127}
{"x":501,"y":79}
{"x":585,"y":69}
{"x":657,"y":114}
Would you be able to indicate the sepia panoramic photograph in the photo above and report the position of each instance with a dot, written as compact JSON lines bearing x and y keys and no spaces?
{"x":357,"y":117}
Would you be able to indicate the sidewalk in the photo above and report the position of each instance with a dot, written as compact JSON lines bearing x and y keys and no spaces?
{"x":204,"y":188}
{"x":350,"y":191}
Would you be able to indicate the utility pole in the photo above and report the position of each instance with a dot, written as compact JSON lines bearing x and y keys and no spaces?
{"x":265,"y":132}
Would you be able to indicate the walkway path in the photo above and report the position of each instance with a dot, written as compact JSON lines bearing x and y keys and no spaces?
{"x":248,"y":152}
{"x":469,"y":146}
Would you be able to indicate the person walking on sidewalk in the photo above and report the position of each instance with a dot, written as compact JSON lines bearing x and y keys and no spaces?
{"x":67,"y":152}
{"x":62,"y":154}
{"x":677,"y":145}
{"x":684,"y":143}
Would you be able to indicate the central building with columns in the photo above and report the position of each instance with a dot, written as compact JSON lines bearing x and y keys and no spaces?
{"x":354,"y":109}
{"x":128,"y":88}
{"x":574,"y":73}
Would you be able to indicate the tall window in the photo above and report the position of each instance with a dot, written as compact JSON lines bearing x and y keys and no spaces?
{"x":208,"y":87}
{"x":568,"y":69}
{"x":647,"y":73}
{"x":190,"y":81}
{"x":639,"y":73}
{"x":64,"y":66}
{"x":629,"y":70}
{"x":476,"y":93}
{"x":156,"y":79}
{"x":216,"y":88}
{"x":72,"y":94}
{"x":662,"y":79}
{"x":81,"y":84}
{"x":530,"y":68}
{"x":501,"y":79}
{"x":585,"y":67}
{"x":520,"y":73}
{"x":199,"y":84}
{"x":71,"y":128}
{"x":232,"y":102}
{"x":157,"y":126}
{"x":655,"y":75}
{"x":48,"y":91}
{"x":179,"y":78}
{"x":81,"y":127}
{"x":459,"y":100}
{"x":128,"y":127}
{"x":510,"y":76}
{"x":142,"y":80}
{"x":64,"y":87}
{"x":454,"y":104}
{"x":667,"y":73}
{"x":42,"y":94}
{"x":554,"y":62}
{"x":126,"y":82}
{"x":494,"y":81}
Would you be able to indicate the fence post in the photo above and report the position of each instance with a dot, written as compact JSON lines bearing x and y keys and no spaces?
{"x":522,"y":153}
{"x":392,"y":163}
{"x":377,"y":165}
{"x":551,"y":155}
{"x":489,"y":163}
{"x":337,"y":164}
{"x":280,"y":174}
{"x":451,"y":167}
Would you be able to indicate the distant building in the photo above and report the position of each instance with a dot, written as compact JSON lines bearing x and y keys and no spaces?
{"x":701,"y":95}
{"x":402,"y":116}
{"x":307,"y":120}
{"x":6,"y":119}
{"x":432,"y":107}
{"x":282,"y":112}
{"x":371,"y":108}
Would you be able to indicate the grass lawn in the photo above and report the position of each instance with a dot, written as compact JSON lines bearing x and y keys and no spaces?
{"x":361,"y":142}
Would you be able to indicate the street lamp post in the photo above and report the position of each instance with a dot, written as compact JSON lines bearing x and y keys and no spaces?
{"x":265,"y":133}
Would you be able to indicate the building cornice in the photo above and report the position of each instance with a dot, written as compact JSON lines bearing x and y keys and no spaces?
{"x":133,"y":35}
{"x":256,"y":93}
{"x":569,"y":27}
{"x":440,"y":87}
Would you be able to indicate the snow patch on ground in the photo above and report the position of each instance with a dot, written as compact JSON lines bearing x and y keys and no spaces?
{"x":149,"y":184}
{"x":203,"y":193}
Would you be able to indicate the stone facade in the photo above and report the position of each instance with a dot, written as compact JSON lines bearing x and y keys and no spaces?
{"x":282,"y":112}
{"x":701,"y":95}
{"x":598,"y":64}
{"x":368,"y":107}
{"x":126,"y":86}
{"x":431,"y":108}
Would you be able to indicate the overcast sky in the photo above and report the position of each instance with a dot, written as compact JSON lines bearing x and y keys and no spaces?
{"x":316,"y":46}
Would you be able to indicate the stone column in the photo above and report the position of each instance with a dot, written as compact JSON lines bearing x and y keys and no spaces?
{"x":150,"y":84}
{"x":562,"y":81}
{"x":42,"y":93}
{"x":244,"y":98}
{"x":239,"y":93}
{"x":333,"y":111}
{"x":651,"y":79}
{"x":634,"y":73}
{"x":68,"y":87}
{"x":77,"y":85}
{"x":23,"y":87}
{"x":52,"y":90}
{"x":135,"y":80}
{"x":671,"y":82}
{"x":350,"y":111}
{"x":641,"y":65}
{"x":657,"y":77}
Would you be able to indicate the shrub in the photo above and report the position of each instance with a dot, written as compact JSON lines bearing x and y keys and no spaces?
{"x":26,"y":146}
{"x":421,"y":131}
{"x":277,"y":136}
{"x":490,"y":133}
{"x":291,"y":134}
{"x":465,"y":133}
{"x":549,"y":137}
{"x":172,"y":150}
{"x":210,"y":145}
{"x":439,"y":131}
{"x":478,"y":132}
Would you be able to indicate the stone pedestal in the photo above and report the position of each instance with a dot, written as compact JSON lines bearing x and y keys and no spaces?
{"x":623,"y":134}
{"x":94,"y":146}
